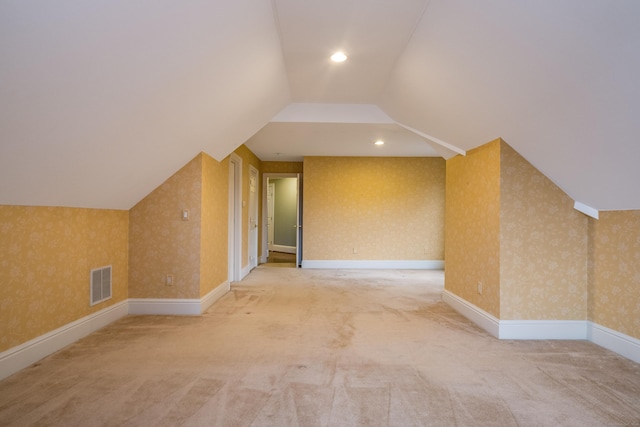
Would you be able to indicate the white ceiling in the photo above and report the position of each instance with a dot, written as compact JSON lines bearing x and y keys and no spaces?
{"x":102,"y":101}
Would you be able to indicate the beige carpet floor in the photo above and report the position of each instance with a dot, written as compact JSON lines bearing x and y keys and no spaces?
{"x":291,"y":347}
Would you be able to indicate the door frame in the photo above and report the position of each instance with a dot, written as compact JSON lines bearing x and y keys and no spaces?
{"x":235,"y":219}
{"x":252,"y":232}
{"x":265,"y":246}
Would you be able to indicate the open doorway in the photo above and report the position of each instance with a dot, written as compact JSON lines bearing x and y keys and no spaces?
{"x":282,"y":220}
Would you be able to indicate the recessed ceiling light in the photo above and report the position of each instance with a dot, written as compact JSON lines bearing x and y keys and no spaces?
{"x":379,"y":142}
{"x":339,"y":57}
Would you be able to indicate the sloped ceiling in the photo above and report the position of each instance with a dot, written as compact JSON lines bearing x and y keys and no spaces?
{"x":558,"y":80}
{"x":101,"y":101}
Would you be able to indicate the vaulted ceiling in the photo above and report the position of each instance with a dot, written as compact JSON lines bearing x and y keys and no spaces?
{"x":102,"y":100}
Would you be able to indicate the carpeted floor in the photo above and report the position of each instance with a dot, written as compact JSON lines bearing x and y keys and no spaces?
{"x":292,"y":347}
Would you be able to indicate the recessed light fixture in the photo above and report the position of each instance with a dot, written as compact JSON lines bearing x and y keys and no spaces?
{"x":379,"y":142}
{"x":339,"y":57}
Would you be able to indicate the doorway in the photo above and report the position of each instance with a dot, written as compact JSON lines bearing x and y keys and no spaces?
{"x":282,"y":217}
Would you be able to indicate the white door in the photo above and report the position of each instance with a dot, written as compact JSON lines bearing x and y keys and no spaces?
{"x":270,"y":199}
{"x":299,"y":222}
{"x":253,"y":218}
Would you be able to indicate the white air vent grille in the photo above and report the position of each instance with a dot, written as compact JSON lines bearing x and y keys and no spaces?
{"x":100,"y":284}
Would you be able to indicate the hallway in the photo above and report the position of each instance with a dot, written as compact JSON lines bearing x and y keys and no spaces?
{"x":295,"y":347}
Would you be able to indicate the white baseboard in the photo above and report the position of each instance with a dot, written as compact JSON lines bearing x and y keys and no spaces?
{"x":24,"y":355}
{"x":176,"y":307}
{"x":213,"y":296}
{"x":169,"y":307}
{"x":615,"y":341}
{"x":478,"y":316}
{"x":375,"y":264}
{"x":245,"y":271}
{"x":619,"y":343}
{"x":283,"y":248}
{"x":19,"y":357}
{"x":543,"y":330}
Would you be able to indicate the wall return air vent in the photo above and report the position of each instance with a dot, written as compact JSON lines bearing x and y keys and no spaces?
{"x":100,"y":284}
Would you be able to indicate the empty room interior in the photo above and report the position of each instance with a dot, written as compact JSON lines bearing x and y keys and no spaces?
{"x":451,"y":184}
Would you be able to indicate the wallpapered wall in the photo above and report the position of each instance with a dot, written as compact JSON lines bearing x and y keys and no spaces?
{"x":614,"y":271}
{"x":511,"y":228}
{"x":161,"y":243}
{"x":215,"y":224}
{"x":46,"y":255}
{"x":282,"y":167}
{"x":194,"y":252}
{"x":543,"y":245}
{"x":472,"y":239}
{"x":386,"y":208}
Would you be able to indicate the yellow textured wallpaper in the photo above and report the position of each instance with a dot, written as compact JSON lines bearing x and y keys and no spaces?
{"x":384,"y":208}
{"x":614,"y":273}
{"x":282,"y":167}
{"x":472,"y":242}
{"x":46,"y":255}
{"x":543,"y":246}
{"x":215,"y":223}
{"x":161,"y":243}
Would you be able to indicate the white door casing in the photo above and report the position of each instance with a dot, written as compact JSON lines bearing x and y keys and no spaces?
{"x":270,"y":199}
{"x":235,"y":219}
{"x":252,"y":244}
{"x":267,"y":209}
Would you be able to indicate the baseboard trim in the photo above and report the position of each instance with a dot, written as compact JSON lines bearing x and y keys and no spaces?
{"x":168,"y":307}
{"x":24,"y":355}
{"x":543,"y":329}
{"x":619,"y":343}
{"x":177,"y":307}
{"x":213,"y":296}
{"x":374,"y":264}
{"x":283,"y":248}
{"x":615,"y":341}
{"x":245,"y":271}
{"x":478,"y":316}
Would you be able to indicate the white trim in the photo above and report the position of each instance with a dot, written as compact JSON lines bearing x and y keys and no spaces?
{"x":213,"y":296}
{"x":19,"y":357}
{"x":24,"y":355}
{"x":375,"y":264}
{"x":283,"y":248}
{"x":234,"y":238}
{"x":615,"y":341}
{"x":478,"y":316}
{"x":245,"y":271}
{"x":177,"y":307}
{"x":543,"y":330}
{"x":265,"y":210}
{"x":434,"y":139}
{"x":169,"y":307}
{"x":517,"y":329}
{"x":587,"y":210}
{"x":253,"y":210}
{"x":619,"y":343}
